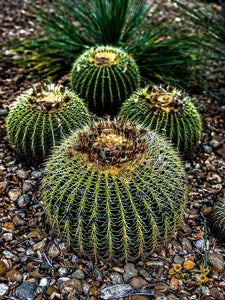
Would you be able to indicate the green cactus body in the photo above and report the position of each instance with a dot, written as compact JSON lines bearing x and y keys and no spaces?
{"x":167,"y":111}
{"x":114,"y":190}
{"x":39,"y":118}
{"x":216,"y":220}
{"x":105,"y":77}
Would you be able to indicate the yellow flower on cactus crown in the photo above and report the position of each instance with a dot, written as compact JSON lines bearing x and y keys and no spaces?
{"x":177,"y":267}
{"x":202,"y":278}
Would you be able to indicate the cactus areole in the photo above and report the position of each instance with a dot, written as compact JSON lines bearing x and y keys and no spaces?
{"x":105,"y":77}
{"x":168,"y":111}
{"x":114,"y":190}
{"x":41,"y":116}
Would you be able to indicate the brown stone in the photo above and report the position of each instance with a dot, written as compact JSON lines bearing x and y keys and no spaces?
{"x":216,"y":294}
{"x":138,"y":282}
{"x":161,"y":287}
{"x":14,"y":275}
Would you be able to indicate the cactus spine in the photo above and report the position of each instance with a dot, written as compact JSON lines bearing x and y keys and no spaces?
{"x":114,"y":190}
{"x":105,"y":77}
{"x":40,"y":117}
{"x":168,"y":111}
{"x":216,"y":220}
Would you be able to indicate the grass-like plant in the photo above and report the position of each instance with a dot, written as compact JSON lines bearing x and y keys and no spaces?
{"x":114,"y":190}
{"x":69,"y":27}
{"x":41,"y":116}
{"x":168,"y":111}
{"x":105,"y":77}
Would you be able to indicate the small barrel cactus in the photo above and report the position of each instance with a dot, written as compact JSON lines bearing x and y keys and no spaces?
{"x":216,"y":220}
{"x":105,"y":77}
{"x":114,"y":190}
{"x":41,"y":116}
{"x":166,"y":110}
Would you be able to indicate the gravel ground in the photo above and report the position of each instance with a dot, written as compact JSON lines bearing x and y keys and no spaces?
{"x":36,"y":264}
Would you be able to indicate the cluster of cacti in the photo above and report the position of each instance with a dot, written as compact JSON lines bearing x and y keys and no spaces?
{"x":41,"y":116}
{"x":105,"y":77}
{"x":168,"y":111}
{"x":114,"y":190}
{"x":216,"y":220}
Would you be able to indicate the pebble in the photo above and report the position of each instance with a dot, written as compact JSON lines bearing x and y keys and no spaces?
{"x":217,"y":261}
{"x":129,"y":271}
{"x":44,"y":282}
{"x":86,"y":288}
{"x":215,"y":143}
{"x":39,"y":245}
{"x":62,"y":271}
{"x":161,"y":297}
{"x":8,"y":236}
{"x":23,"y":200}
{"x":115,"y":291}
{"x":152,"y":263}
{"x":3,"y":187}
{"x":3,"y":268}
{"x":18,"y":221}
{"x":4,"y":289}
{"x":27,"y":186}
{"x":137,"y":297}
{"x":10,"y":255}
{"x":161,"y":287}
{"x":118,"y":269}
{"x":14,"y":194}
{"x":72,"y":284}
{"x":78,"y":274}
{"x":53,"y":251}
{"x":178,"y":259}
{"x":138,"y":282}
{"x":200,"y":244}
{"x":216,"y":294}
{"x":116,"y":278}
{"x":14,"y":275}
{"x":207,"y":149}
{"x":26,"y":291}
{"x":3,"y":111}
{"x":145,"y":274}
{"x":22,"y":174}
{"x":36,"y":175}
{"x":98,"y":274}
{"x":186,"y":244}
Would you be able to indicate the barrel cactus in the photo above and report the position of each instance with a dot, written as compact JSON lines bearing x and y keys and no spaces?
{"x":216,"y":220}
{"x":168,"y":111}
{"x":105,"y":77}
{"x":41,"y":116}
{"x":114,"y":190}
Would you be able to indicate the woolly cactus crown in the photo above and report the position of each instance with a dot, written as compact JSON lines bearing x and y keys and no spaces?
{"x":114,"y":190}
{"x":168,"y":111}
{"x":105,"y":76}
{"x":41,"y":116}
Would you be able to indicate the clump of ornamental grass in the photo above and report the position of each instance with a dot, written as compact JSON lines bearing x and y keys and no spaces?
{"x":114,"y":190}
{"x":168,"y":111}
{"x":41,"y":116}
{"x":104,"y":77}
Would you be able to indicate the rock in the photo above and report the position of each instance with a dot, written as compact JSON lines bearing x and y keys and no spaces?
{"x":118,"y":269}
{"x":161,"y":287}
{"x":35,"y":269}
{"x":137,"y":297}
{"x":10,"y":255}
{"x":18,"y":221}
{"x":216,"y":294}
{"x":186,"y":244}
{"x":172,"y":297}
{"x":152,"y":263}
{"x":39,"y":245}
{"x":188,"y":265}
{"x":217,"y":261}
{"x":116,"y":278}
{"x":93,"y":291}
{"x":4,"y":289}
{"x":138,"y":282}
{"x":145,"y":274}
{"x":63,"y":246}
{"x":36,"y":175}
{"x":200,"y":244}
{"x":14,"y":194}
{"x":62,"y":271}
{"x":115,"y":291}
{"x":28,"y":186}
{"x":207,"y":149}
{"x":129,"y":271}
{"x":214,"y":143}
{"x":51,"y":290}
{"x":53,"y":251}
{"x":26,"y":291}
{"x":44,"y":282}
{"x":160,"y":297}
{"x":86,"y":288}
{"x":14,"y":275}
{"x":78,"y":274}
{"x":98,"y":274}
{"x":23,"y":200}
{"x":3,"y":268}
{"x":22,"y":174}
{"x":72,"y":284}
{"x":221,"y":152}
{"x":3,"y":111}
{"x":178,"y":259}
{"x":3,"y":187}
{"x":7,"y":236}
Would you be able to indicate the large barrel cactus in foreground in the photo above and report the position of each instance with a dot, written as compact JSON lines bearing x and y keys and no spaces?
{"x":105,"y":77}
{"x":114,"y":190}
{"x":168,"y":111}
{"x":40,"y":117}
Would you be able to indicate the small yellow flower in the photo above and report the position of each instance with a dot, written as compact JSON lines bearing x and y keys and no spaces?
{"x":202,"y":278}
{"x":171,"y":272}
{"x":206,"y":271}
{"x":177,"y":267}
